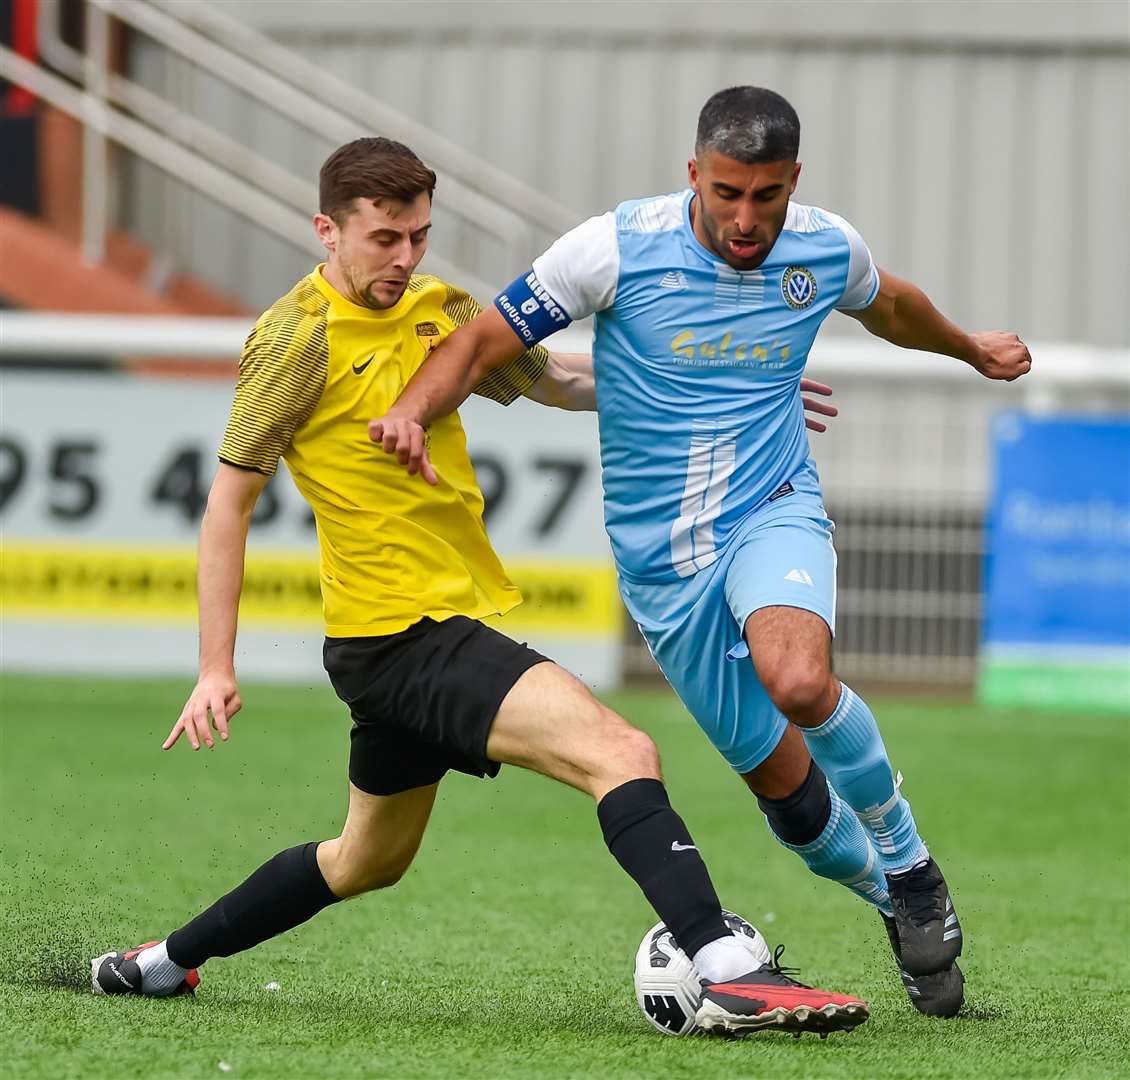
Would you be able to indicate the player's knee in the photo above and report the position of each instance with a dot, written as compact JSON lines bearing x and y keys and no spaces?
{"x":644,"y":754}
{"x":355,"y":880}
{"x":349,"y":875}
{"x":631,"y":753}
{"x":799,"y":690}
{"x":383,"y":876}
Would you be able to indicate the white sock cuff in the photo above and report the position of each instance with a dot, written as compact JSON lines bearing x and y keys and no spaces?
{"x":722,"y":959}
{"x":159,"y":974}
{"x":920,"y":857}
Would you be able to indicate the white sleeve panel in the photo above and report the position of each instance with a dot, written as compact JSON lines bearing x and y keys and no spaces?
{"x":580,"y":270}
{"x":862,"y":276}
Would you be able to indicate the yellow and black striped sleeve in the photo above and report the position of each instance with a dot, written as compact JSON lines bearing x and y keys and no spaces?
{"x":510,"y":381}
{"x":282,"y":374}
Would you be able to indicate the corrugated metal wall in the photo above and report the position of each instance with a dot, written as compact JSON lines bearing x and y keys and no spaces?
{"x":995,"y":173}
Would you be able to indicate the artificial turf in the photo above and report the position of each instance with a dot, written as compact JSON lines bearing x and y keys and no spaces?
{"x":507,"y":949}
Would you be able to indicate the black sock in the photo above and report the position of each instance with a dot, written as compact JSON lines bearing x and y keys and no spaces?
{"x":650,"y":841}
{"x":800,"y":818}
{"x":284,"y":892}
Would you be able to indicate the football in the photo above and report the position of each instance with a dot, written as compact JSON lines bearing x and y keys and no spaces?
{"x":667,"y":986}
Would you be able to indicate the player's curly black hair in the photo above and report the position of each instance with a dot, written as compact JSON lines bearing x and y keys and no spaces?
{"x":750,"y":124}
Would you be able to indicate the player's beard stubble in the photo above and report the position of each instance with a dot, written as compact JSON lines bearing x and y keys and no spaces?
{"x":361,"y":289}
{"x":720,"y":236}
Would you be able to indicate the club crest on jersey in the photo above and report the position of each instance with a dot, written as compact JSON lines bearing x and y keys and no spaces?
{"x":429,"y":335}
{"x":798,"y":287}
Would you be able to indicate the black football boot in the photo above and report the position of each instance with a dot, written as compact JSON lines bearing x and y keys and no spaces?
{"x":929,"y":934}
{"x":940,"y":994}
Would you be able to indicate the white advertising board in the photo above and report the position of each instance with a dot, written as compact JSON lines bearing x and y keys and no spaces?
{"x":103,"y":479}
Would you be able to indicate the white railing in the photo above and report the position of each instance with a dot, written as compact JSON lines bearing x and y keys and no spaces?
{"x":61,"y":335}
{"x":114,"y":108}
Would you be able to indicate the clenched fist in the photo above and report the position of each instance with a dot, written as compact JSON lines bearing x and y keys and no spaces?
{"x":1001,"y":355}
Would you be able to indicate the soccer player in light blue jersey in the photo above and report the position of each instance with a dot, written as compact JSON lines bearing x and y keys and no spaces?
{"x":707,"y":302}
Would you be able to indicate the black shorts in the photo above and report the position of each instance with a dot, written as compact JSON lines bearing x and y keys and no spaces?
{"x":423,"y":700}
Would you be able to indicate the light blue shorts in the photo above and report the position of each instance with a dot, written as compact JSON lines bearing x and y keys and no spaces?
{"x":783,"y":557}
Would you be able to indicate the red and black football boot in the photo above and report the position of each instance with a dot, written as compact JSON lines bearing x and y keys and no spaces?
{"x":769,"y":999}
{"x":118,"y":973}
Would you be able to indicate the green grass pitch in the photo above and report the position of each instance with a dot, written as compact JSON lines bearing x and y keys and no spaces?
{"x":506,"y":951}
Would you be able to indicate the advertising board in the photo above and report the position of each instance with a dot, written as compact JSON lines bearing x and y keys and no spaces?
{"x":1057,"y":602}
{"x":103,"y":479}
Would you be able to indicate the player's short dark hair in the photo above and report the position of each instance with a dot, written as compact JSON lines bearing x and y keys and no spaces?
{"x":750,"y":124}
{"x":371,"y":168}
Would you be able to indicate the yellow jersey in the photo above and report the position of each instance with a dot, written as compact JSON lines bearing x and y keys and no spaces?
{"x":393,"y":549}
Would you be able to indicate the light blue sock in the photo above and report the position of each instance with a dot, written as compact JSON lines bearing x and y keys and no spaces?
{"x":843,"y":853}
{"x":849,"y":748}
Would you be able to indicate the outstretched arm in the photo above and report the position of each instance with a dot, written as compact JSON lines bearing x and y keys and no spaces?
{"x":223,"y":542}
{"x":441,"y":385}
{"x":576,"y":277}
{"x":456,"y":366}
{"x":902,"y":314}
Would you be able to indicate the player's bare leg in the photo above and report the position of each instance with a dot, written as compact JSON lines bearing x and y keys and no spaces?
{"x":378,"y":841}
{"x":550,"y":723}
{"x":784,"y":770}
{"x":816,"y":807}
{"x":377,"y":844}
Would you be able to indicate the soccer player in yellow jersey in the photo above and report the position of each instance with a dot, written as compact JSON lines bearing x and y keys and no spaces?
{"x":407,"y":573}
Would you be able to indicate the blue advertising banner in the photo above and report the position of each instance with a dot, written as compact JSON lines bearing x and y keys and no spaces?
{"x":1057,"y":583}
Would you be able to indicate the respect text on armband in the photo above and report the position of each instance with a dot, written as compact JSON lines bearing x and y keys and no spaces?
{"x":531,"y":311}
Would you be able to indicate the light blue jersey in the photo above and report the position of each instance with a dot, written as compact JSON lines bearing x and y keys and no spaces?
{"x":697,"y":367}
{"x":711,"y":498}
